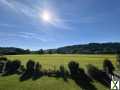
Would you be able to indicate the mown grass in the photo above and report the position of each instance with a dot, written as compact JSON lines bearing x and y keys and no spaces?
{"x":53,"y":61}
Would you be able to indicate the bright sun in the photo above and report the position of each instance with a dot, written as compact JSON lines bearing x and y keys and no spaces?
{"x":46,"y":16}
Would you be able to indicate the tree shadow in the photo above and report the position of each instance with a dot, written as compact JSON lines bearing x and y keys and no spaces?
{"x":34,"y":71}
{"x":108,"y":67}
{"x":62,"y":73}
{"x":37,"y":71}
{"x":27,"y":74}
{"x":99,"y":75}
{"x":80,"y":77}
{"x":8,"y":67}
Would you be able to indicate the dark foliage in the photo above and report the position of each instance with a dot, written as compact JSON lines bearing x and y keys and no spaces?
{"x":41,"y":51}
{"x":99,"y":75}
{"x":50,"y":51}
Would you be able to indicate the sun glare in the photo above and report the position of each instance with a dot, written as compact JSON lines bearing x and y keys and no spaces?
{"x":46,"y":16}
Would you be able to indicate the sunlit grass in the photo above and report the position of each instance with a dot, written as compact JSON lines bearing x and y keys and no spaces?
{"x":50,"y":61}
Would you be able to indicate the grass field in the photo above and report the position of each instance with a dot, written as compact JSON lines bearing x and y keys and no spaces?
{"x":53,"y":61}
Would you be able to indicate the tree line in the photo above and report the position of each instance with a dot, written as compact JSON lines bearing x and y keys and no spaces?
{"x":91,"y":48}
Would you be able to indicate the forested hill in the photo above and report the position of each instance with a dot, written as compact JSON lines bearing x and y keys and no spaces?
{"x":12,"y":51}
{"x":91,"y":48}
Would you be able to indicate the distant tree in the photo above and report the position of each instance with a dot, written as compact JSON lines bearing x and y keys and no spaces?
{"x":27,"y":51}
{"x":41,"y":51}
{"x":50,"y":52}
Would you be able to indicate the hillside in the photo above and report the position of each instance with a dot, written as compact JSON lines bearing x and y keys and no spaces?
{"x":90,"y":48}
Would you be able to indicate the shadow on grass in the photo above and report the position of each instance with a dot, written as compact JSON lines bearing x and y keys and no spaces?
{"x":8,"y":67}
{"x":80,"y":77}
{"x":99,"y":75}
{"x":34,"y":71}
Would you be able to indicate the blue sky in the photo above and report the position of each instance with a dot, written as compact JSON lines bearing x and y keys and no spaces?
{"x":72,"y":22}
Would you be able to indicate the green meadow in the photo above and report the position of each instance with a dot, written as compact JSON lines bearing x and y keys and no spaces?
{"x":53,"y":61}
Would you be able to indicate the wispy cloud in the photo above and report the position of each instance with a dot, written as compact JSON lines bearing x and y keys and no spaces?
{"x":8,"y":25}
{"x":4,"y":34}
{"x":7,"y":3}
{"x":81,"y":19}
{"x":29,"y":35}
{"x":25,"y":35}
{"x":58,"y":22}
{"x":33,"y":12}
{"x":19,"y":7}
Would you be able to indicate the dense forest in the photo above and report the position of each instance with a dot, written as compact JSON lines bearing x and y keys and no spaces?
{"x":91,"y":48}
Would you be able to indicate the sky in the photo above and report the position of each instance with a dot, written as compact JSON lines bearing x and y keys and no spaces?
{"x":35,"y":24}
